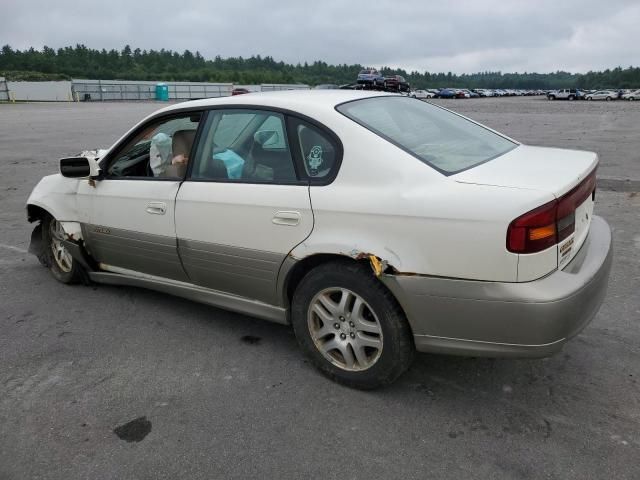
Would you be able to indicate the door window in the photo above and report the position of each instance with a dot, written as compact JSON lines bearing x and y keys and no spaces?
{"x":160,"y":149}
{"x":244,"y":146}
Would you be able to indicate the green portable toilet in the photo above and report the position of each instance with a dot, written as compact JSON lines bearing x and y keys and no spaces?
{"x":162,"y":92}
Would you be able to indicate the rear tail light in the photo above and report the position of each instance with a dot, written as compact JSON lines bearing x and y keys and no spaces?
{"x":551,"y":223}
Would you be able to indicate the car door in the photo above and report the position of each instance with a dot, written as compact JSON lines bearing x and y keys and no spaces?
{"x":244,"y":206}
{"x":130,"y":222}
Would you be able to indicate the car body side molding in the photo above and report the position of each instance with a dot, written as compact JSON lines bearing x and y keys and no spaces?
{"x":192,"y":292}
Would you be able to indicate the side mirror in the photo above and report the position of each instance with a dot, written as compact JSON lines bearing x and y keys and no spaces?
{"x":79,"y":167}
{"x":266,"y":137}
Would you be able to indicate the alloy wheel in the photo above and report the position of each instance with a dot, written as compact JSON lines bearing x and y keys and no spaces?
{"x":61,"y":255}
{"x":345,"y":329}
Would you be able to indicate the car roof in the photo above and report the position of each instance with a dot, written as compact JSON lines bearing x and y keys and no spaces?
{"x":305,"y":101}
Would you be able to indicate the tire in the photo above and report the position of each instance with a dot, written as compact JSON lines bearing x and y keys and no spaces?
{"x":608,"y":99}
{"x":631,"y":99}
{"x":571,"y":97}
{"x":590,"y":98}
{"x":61,"y":264}
{"x":551,"y":97}
{"x":378,"y":344}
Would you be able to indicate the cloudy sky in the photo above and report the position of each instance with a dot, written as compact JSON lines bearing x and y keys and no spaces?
{"x":458,"y":36}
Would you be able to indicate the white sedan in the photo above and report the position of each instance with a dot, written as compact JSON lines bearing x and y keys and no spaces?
{"x":375,"y":224}
{"x":602,"y":95}
{"x":632,"y":95}
{"x":421,"y":94}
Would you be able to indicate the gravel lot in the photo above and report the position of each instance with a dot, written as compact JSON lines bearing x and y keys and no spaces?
{"x":228,"y":396}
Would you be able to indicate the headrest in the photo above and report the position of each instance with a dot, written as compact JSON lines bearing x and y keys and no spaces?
{"x":182,"y":142}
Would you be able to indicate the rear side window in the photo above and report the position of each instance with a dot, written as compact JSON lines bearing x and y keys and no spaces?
{"x":244,"y":146}
{"x":437,"y":137}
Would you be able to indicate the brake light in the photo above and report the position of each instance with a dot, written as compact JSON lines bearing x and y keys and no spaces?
{"x":551,"y":223}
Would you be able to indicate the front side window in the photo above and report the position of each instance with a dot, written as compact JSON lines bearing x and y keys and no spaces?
{"x":160,"y":149}
{"x":244,"y":146}
{"x":437,"y":137}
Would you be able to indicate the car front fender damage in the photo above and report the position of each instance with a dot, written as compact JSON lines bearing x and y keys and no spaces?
{"x":73,"y":242}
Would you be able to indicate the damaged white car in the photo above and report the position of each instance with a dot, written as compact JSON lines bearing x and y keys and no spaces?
{"x":375,"y":224}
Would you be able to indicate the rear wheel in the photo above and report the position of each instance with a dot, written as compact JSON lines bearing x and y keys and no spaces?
{"x":552,"y":97}
{"x":56,"y":256}
{"x":631,"y":99}
{"x":351,"y":326}
{"x":608,"y":99}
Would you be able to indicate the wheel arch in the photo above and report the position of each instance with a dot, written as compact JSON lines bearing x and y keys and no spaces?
{"x":293,"y":271}
{"x":36,"y":212}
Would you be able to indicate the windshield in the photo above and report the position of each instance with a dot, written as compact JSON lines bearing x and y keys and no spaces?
{"x":439,"y":138}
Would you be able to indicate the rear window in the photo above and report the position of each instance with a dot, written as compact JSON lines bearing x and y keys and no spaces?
{"x":437,"y":137}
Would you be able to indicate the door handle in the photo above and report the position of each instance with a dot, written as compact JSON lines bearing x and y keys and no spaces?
{"x":156,"y":208}
{"x":288,"y":218}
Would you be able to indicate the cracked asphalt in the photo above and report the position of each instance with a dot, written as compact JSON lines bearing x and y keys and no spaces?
{"x":107,"y":382}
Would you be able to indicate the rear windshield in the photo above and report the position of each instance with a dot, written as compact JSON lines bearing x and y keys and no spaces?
{"x":439,"y":138}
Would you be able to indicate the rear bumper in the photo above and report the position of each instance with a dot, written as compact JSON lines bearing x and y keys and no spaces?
{"x":532,"y":319}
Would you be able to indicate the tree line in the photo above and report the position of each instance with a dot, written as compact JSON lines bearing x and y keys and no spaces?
{"x":167,"y":65}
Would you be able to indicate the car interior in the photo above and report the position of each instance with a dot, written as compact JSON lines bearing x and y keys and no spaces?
{"x":245,"y":146}
{"x":166,"y":140}
{"x":240,"y":145}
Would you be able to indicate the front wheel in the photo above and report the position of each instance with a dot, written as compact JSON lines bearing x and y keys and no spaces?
{"x":608,"y":99}
{"x":55,"y":255}
{"x":350,"y":326}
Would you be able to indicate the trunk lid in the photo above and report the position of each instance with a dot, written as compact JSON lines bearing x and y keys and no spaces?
{"x":552,"y":170}
{"x":539,"y":169}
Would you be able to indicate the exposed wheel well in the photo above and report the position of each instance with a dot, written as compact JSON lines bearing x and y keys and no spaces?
{"x":35,"y":213}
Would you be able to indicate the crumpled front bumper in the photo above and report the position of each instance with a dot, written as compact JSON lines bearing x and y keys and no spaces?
{"x":529,"y":319}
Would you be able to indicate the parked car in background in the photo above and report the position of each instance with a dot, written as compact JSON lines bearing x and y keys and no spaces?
{"x":396,"y":82}
{"x":633,"y":95}
{"x":460,"y":93}
{"x":239,"y":91}
{"x":563,"y":94}
{"x":421,"y":94}
{"x":371,"y":76}
{"x":446,"y":93}
{"x":269,"y":204}
{"x":607,"y":95}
